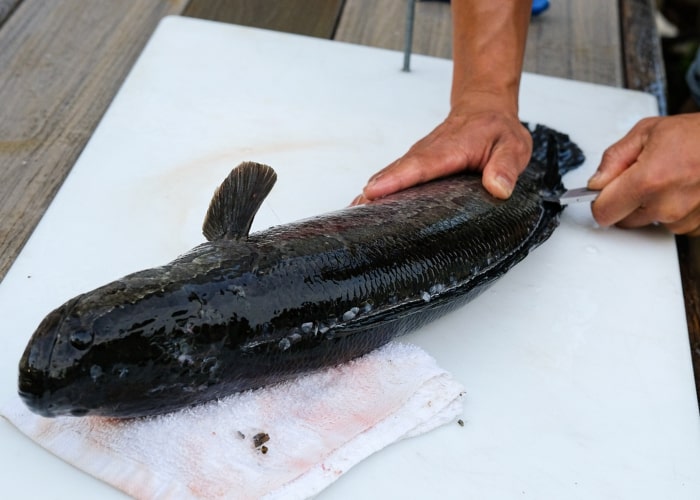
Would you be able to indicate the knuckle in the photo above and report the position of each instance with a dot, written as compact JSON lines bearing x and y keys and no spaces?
{"x":649,"y":120}
{"x":522,"y":147}
{"x":675,"y":211}
{"x":610,"y":155}
{"x":682,"y":227}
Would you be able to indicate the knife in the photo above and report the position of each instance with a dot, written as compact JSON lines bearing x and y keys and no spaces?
{"x":576,"y":195}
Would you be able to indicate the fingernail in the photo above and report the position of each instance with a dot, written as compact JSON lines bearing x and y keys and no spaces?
{"x":373,"y":180}
{"x":505,"y":185}
{"x":595,"y":178}
{"x":377,"y":187}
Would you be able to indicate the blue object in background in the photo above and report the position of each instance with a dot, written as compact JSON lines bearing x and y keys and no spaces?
{"x":539,"y":6}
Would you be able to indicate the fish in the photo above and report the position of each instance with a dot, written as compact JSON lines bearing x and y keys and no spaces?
{"x":244,"y":310}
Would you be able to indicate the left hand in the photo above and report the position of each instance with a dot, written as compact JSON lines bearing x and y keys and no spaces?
{"x":652,"y":175}
{"x":481,"y":135}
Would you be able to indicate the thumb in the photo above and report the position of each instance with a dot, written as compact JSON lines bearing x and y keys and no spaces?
{"x":501,"y":172}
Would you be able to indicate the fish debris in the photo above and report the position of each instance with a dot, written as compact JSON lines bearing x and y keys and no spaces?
{"x":242,"y":311}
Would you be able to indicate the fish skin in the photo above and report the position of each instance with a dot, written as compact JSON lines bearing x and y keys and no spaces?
{"x":237,"y":312}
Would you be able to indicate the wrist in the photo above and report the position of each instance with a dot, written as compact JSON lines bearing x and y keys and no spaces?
{"x":488,"y":100}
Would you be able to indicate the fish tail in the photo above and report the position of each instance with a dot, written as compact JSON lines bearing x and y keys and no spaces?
{"x":552,"y":166}
{"x":568,"y":154}
{"x":553,"y":155}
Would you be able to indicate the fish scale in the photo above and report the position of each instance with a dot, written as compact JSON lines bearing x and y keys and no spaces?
{"x":242,"y":311}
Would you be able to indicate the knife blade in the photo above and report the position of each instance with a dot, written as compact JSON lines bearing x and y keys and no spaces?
{"x":576,"y":195}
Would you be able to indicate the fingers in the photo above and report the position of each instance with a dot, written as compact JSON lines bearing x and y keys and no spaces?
{"x":620,"y":198}
{"x":688,"y":226}
{"x":359,"y":200}
{"x":496,"y":144}
{"x":643,"y":216}
{"x":409,"y":170}
{"x":621,"y":155}
{"x":505,"y":163}
{"x":442,"y":152}
{"x":680,"y":214}
{"x":652,"y":176}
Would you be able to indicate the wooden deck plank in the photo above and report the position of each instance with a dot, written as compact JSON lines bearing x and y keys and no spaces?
{"x":61,"y":64}
{"x":6,"y":8}
{"x":689,"y":258}
{"x":564,"y":32}
{"x":578,"y":40}
{"x":642,"y":58}
{"x":381,"y":23}
{"x":304,"y":17}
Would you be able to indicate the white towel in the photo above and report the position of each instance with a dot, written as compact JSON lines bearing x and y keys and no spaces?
{"x":290,"y":440}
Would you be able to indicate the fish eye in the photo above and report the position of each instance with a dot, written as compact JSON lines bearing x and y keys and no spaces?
{"x":81,"y":339}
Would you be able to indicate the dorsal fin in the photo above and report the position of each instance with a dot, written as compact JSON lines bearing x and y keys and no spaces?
{"x":237,"y":200}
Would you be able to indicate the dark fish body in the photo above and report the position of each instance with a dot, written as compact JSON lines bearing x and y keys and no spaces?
{"x":246,"y":310}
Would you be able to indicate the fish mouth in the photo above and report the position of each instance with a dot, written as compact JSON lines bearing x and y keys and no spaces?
{"x":31,"y":383}
{"x":37,"y":391}
{"x":35,"y":385}
{"x":32,"y":389}
{"x":50,"y":407}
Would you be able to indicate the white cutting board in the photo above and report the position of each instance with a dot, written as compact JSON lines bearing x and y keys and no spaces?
{"x":576,"y":363}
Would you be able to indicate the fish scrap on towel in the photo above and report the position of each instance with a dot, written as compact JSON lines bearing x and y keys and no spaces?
{"x":290,"y":440}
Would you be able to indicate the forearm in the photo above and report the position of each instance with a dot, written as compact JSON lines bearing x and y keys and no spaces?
{"x":482,"y":131}
{"x":488,"y":48}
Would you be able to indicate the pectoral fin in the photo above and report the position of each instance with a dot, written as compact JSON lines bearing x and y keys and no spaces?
{"x":237,"y":200}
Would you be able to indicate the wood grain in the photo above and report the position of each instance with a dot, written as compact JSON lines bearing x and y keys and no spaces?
{"x":579,"y":40}
{"x":641,"y":50}
{"x":304,"y":17}
{"x":689,"y":257}
{"x":61,"y":64}
{"x":382,"y":23}
{"x":6,"y":9}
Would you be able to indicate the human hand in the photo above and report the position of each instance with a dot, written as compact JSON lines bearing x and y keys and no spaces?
{"x":475,"y":136}
{"x":652,"y":175}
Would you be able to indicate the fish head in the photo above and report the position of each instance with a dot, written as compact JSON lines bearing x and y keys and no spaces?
{"x":83,"y":357}
{"x":149,"y":340}
{"x":53,"y":354}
